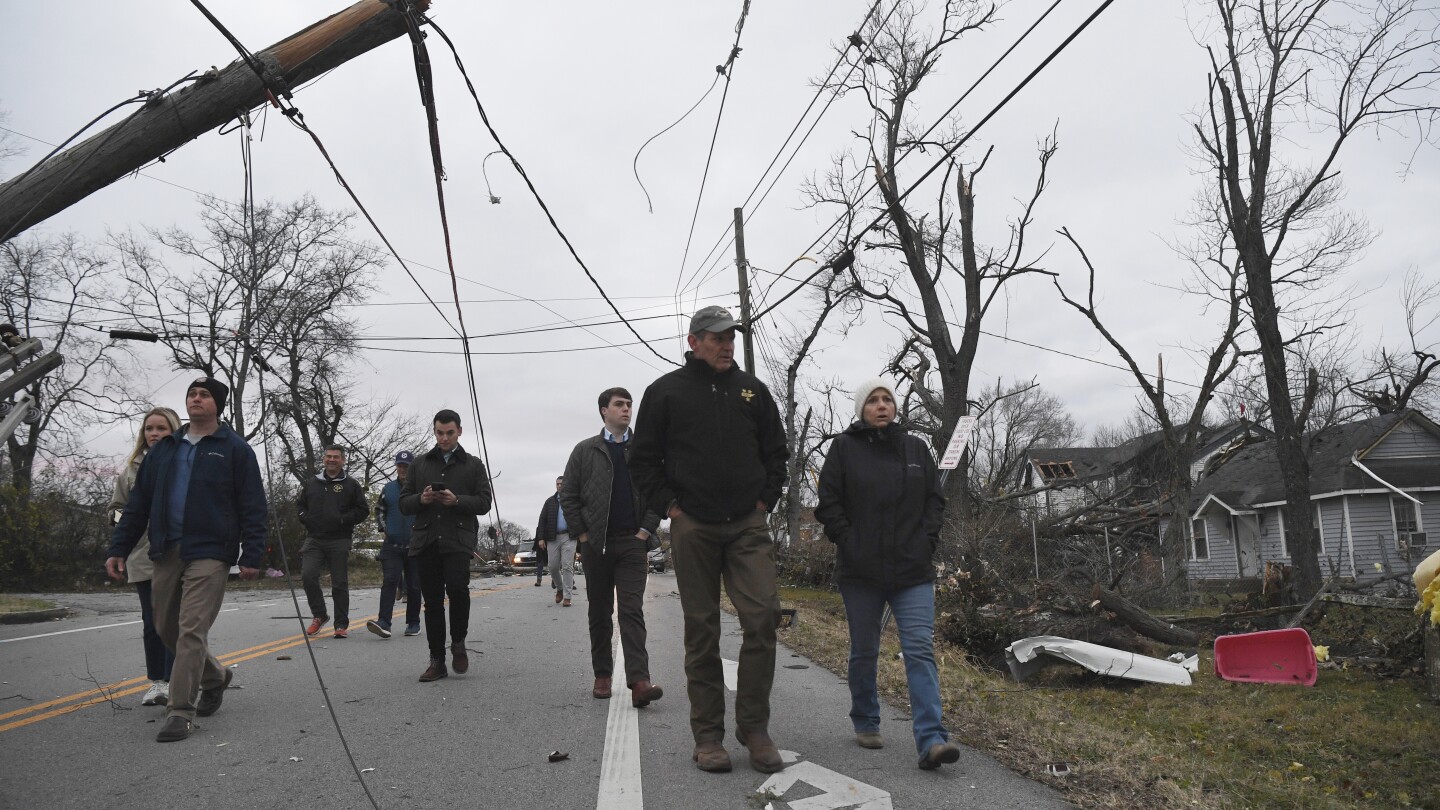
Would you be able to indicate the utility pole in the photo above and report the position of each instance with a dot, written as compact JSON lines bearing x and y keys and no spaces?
{"x":743,"y":268}
{"x":164,"y":123}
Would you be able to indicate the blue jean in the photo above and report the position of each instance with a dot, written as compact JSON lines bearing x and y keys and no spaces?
{"x":395,"y":567}
{"x":914,"y":609}
{"x":159,"y":659}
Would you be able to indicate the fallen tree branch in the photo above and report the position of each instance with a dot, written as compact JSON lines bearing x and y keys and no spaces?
{"x":1145,"y":623}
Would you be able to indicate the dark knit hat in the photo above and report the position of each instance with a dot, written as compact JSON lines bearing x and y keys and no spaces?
{"x":219,"y":390}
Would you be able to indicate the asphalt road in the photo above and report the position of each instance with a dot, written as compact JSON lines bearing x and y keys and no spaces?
{"x":479,"y":740}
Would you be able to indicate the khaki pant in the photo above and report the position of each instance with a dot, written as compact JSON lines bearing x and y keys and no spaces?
{"x":188,"y":594}
{"x":741,"y":554}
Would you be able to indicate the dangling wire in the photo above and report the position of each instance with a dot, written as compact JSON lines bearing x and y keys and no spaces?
{"x":635,"y":163}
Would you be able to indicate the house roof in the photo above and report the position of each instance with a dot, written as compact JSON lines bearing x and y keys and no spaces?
{"x":1253,"y":475}
{"x":1097,"y":462}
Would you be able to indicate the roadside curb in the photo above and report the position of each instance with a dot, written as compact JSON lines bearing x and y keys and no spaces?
{"x":29,"y":616}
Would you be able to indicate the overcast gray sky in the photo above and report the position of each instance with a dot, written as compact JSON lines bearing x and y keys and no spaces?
{"x":575,"y":88}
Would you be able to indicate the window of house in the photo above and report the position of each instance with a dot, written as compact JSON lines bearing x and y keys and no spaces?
{"x":1199,"y":540}
{"x":1407,"y":520}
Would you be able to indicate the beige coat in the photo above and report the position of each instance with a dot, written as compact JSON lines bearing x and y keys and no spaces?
{"x":138,"y":567}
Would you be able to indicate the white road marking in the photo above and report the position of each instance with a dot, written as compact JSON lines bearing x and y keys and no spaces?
{"x":620,"y":779}
{"x":837,"y":789}
{"x":83,"y":629}
{"x":732,"y":672}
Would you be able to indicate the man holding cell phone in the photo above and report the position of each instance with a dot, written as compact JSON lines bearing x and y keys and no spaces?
{"x":446,"y":490}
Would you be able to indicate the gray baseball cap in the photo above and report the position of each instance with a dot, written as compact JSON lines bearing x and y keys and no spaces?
{"x":714,"y":319}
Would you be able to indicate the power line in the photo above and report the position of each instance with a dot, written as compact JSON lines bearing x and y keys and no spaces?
{"x":949,"y":152}
{"x":725,"y":70}
{"x":519,"y":169}
{"x":855,"y":42}
{"x":635,"y":162}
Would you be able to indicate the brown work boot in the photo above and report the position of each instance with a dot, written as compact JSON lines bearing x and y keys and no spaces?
{"x":435,"y":671}
{"x":945,"y":753}
{"x":643,"y":692}
{"x":558,"y":597}
{"x":602,"y":688}
{"x":764,"y":756}
{"x":711,"y":756}
{"x":459,"y":658}
{"x":566,"y":603}
{"x":869,"y":739}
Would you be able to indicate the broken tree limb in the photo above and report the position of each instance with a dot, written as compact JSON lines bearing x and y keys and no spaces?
{"x":1370,"y":601}
{"x":1305,"y":611}
{"x":165,"y":123}
{"x":1144,"y":623}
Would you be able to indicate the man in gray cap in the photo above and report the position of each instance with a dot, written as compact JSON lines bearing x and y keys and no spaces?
{"x":710,"y":453}
{"x":396,"y":564}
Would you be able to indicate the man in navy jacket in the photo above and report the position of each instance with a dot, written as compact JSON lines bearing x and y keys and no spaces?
{"x":200,"y":495}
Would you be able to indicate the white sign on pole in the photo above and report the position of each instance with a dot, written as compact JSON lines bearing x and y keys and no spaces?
{"x":959,"y":440}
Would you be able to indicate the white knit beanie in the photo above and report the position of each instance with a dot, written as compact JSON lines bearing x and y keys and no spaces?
{"x":865,"y":389}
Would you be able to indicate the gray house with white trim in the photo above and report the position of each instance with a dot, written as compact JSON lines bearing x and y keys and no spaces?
{"x":1375,"y":488}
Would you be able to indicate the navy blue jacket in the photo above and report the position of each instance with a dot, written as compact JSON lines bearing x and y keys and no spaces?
{"x":393,"y":522}
{"x":224,"y":506}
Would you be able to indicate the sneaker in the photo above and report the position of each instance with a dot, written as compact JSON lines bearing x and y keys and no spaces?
{"x":940,"y":754}
{"x":155,"y":695}
{"x":381,"y":630}
{"x":342,"y":632}
{"x":412,"y":629}
{"x":209,"y":701}
{"x":176,"y":728}
{"x":315,"y":625}
{"x":164,"y":699}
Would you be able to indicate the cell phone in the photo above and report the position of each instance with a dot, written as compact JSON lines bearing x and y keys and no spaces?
{"x":439,"y":486}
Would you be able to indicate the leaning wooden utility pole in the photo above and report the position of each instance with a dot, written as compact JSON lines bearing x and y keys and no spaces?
{"x":743,"y":267}
{"x":166,"y":122}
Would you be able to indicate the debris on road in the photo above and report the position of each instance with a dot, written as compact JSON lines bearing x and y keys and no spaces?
{"x":556,"y":756}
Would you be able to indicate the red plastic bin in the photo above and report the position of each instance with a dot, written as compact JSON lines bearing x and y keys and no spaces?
{"x":1269,"y":656}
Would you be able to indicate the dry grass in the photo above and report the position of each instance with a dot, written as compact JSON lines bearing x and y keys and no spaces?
{"x":21,"y":604}
{"x":1355,"y":739}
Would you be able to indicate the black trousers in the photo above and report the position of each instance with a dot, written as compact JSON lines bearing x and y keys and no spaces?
{"x":441,"y":576}
{"x":618,"y":575}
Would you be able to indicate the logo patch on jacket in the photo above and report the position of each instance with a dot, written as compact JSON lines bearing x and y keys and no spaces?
{"x":747,"y":394}
{"x":336,"y":487}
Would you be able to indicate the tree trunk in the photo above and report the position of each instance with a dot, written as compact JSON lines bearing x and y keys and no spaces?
{"x":1142,"y":622}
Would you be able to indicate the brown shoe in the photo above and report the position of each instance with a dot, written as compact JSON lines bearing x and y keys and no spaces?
{"x":459,"y":658}
{"x":602,"y":688}
{"x":558,"y":597}
{"x":566,"y":603}
{"x":869,"y":739}
{"x":711,"y":756}
{"x":435,"y":671}
{"x":764,"y":756}
{"x":643,"y":692}
{"x":939,"y":754}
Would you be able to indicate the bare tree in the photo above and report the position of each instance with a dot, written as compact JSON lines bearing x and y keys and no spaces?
{"x":1394,"y":380}
{"x":1020,"y":417}
{"x":50,"y":289}
{"x":8,"y":147}
{"x":271,"y":287}
{"x":1331,"y":70}
{"x":937,"y":244}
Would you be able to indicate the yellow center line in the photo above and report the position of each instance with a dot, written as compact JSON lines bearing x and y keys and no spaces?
{"x":134,"y":686}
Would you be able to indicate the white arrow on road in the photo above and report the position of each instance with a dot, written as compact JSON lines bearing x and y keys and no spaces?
{"x":838,"y":790}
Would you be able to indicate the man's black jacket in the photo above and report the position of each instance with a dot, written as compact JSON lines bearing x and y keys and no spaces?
{"x":452,"y":528}
{"x":712,"y":442}
{"x":330,"y":509}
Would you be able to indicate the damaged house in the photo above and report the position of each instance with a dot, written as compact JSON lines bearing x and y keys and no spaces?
{"x":1374,"y":484}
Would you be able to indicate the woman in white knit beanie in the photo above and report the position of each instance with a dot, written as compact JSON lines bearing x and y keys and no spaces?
{"x":881,"y":505}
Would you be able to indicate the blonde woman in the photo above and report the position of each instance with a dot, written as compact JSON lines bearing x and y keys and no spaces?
{"x":157,"y":424}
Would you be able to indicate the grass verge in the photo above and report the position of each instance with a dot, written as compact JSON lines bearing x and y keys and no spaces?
{"x":1355,"y":739}
{"x":21,"y":604}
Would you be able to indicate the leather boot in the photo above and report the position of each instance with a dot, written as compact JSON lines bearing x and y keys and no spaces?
{"x":764,"y":756}
{"x":435,"y":671}
{"x":643,"y":692}
{"x":459,"y":658}
{"x":711,"y":756}
{"x":602,"y":688}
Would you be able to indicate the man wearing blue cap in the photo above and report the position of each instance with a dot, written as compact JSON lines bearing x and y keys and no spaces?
{"x":395,"y":560}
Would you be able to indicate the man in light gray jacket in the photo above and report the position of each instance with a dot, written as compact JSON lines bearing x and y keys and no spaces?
{"x":606,"y":514}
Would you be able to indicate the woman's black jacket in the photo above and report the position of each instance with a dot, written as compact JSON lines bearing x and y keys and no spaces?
{"x":881,"y":505}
